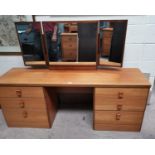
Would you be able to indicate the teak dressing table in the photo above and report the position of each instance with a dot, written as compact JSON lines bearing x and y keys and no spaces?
{"x":29,"y":97}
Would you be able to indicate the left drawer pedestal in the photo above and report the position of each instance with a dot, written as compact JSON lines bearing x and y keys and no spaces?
{"x":25,"y":107}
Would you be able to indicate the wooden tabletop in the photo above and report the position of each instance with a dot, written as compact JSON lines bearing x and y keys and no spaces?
{"x":122,"y":77}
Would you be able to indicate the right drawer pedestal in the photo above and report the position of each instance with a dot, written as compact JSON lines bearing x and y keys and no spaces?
{"x":119,"y":109}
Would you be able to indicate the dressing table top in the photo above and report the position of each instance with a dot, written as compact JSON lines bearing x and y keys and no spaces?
{"x":122,"y":77}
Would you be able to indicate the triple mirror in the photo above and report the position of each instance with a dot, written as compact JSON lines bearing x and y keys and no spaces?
{"x":78,"y":43}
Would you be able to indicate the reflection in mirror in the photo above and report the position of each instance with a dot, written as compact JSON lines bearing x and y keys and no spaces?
{"x":69,"y":42}
{"x":111,"y":42}
{"x":29,"y":35}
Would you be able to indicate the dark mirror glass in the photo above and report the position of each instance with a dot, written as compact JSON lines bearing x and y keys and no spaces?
{"x":29,"y":35}
{"x":71,"y":41}
{"x":111,"y":42}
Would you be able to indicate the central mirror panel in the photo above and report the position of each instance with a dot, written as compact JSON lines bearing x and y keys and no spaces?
{"x":71,"y":43}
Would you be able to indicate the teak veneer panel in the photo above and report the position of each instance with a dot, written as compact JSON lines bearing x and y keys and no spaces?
{"x":23,"y":103}
{"x":122,"y":77}
{"x":117,"y":127}
{"x":25,"y":91}
{"x":40,"y":124}
{"x":131,"y":98}
{"x":71,"y":64}
{"x":36,"y":117}
{"x":125,"y":117}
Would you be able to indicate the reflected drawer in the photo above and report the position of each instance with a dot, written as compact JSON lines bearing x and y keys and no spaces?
{"x":23,"y":103}
{"x":115,"y":117}
{"x":69,"y":54}
{"x":69,"y":38}
{"x":107,"y":34}
{"x":106,"y":41}
{"x":72,"y":46}
{"x":21,"y":92}
{"x":67,"y":50}
{"x":121,"y":98}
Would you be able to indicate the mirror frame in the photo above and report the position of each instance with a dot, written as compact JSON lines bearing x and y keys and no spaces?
{"x":32,"y":63}
{"x":110,"y":63}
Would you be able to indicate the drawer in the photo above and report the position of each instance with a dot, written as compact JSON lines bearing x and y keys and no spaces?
{"x":72,"y":46}
{"x":69,"y":54}
{"x":73,"y":28}
{"x":23,"y":103}
{"x":117,"y":127}
{"x":29,"y":124}
{"x":72,"y":50}
{"x":69,"y":38}
{"x":21,"y":92}
{"x":106,"y":48}
{"x":121,"y":98}
{"x":25,"y":117}
{"x":115,"y":117}
{"x":107,"y":41}
{"x":107,"y":34}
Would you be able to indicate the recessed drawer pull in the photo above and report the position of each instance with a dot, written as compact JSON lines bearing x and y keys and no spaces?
{"x":120,"y":95}
{"x":25,"y":114}
{"x":118,"y":116}
{"x":119,"y":107}
{"x":21,"y":104}
{"x":19,"y":93}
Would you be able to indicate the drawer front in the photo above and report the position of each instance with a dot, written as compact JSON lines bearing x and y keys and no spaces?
{"x":69,"y":39}
{"x":69,"y":50}
{"x":115,"y":117}
{"x":23,"y":103}
{"x":107,"y":34}
{"x":120,"y":98}
{"x":67,"y":46}
{"x":21,"y":92}
{"x":117,"y":127}
{"x":25,"y":116}
{"x":29,"y":124}
{"x":73,"y":28}
{"x":69,"y":54}
{"x":106,"y":41}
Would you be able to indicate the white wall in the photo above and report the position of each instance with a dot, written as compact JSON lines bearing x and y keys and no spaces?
{"x":139,"y":47}
{"x":8,"y":62}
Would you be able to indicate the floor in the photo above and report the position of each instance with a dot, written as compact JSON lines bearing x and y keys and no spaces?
{"x":78,"y":124}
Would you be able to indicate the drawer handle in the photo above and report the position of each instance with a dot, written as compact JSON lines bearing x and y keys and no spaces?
{"x":118,"y":116}
{"x":119,"y":107}
{"x":120,"y":95}
{"x":25,"y":114}
{"x":19,"y":93}
{"x":21,"y":104}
